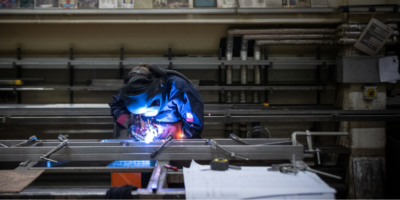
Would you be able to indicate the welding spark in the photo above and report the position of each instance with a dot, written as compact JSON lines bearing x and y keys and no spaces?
{"x":151,"y":133}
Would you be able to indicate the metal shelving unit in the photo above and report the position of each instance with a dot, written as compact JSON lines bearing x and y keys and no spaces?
{"x":164,"y":11}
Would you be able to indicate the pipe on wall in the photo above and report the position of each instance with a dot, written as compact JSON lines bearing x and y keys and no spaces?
{"x":257,"y":77}
{"x":287,"y":36}
{"x":243,"y":69}
{"x":294,"y":42}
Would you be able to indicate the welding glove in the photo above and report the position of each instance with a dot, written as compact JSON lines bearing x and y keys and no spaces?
{"x":166,"y":129}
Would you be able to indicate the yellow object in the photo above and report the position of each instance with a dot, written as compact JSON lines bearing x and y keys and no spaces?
{"x":371,"y":93}
{"x":221,"y":160}
{"x":18,"y":82}
{"x":266,"y":104}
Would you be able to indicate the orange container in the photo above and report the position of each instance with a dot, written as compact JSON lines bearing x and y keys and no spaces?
{"x":120,"y":179}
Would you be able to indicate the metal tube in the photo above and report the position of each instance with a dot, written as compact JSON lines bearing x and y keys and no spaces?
{"x":354,"y":40}
{"x":294,"y":42}
{"x":361,"y":26}
{"x":279,"y":31}
{"x":287,"y":36}
{"x":356,"y":34}
{"x":257,"y":76}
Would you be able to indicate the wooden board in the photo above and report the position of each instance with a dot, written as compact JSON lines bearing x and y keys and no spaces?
{"x":368,"y":178}
{"x":12,"y":181}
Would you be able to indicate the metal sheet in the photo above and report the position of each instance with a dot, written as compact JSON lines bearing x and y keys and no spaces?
{"x":358,"y":69}
{"x":16,"y":180}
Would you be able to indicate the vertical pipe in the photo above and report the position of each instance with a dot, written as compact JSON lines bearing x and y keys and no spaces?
{"x":19,"y":75}
{"x":229,"y":49}
{"x":220,"y":75}
{"x":318,"y":75}
{"x":243,"y":69}
{"x":121,"y":66}
{"x":71,"y":75}
{"x":257,"y":78}
{"x":266,"y":92}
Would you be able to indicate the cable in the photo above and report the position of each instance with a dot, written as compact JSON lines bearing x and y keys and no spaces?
{"x":259,"y":130}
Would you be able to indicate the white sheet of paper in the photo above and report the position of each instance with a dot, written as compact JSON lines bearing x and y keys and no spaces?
{"x":388,"y":69}
{"x":252,"y":182}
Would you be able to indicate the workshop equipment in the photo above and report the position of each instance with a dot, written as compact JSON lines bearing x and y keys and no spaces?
{"x":154,"y":154}
{"x":171,"y":167}
{"x":64,"y":142}
{"x":31,"y":139}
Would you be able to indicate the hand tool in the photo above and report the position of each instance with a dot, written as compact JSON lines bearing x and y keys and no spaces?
{"x":221,"y":164}
{"x":237,"y":138}
{"x":171,"y":167}
{"x":32,"y":138}
{"x":169,"y":138}
{"x":25,"y":163}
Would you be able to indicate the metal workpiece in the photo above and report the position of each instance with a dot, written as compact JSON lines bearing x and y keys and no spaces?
{"x":2,"y":145}
{"x":295,"y":42}
{"x":159,"y":173}
{"x":287,"y":36}
{"x":279,"y":31}
{"x":178,"y":150}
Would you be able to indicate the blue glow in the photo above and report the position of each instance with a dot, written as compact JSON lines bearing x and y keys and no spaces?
{"x":48,"y":163}
{"x":133,"y":163}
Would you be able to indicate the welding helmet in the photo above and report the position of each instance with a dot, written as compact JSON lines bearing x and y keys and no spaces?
{"x":144,"y":93}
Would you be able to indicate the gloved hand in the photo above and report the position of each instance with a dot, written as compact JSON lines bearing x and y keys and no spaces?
{"x":171,"y":128}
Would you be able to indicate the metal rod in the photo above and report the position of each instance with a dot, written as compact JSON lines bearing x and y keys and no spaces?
{"x":287,"y":36}
{"x":279,"y":31}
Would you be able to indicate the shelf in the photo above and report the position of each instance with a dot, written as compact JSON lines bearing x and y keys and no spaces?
{"x":177,"y":63}
{"x":163,"y":11}
{"x":115,"y":11}
{"x":206,"y":88}
{"x":284,"y":10}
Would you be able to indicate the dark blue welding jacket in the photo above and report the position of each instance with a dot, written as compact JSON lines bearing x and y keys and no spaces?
{"x":184,"y":104}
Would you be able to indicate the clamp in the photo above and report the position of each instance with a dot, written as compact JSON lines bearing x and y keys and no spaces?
{"x":214,"y":145}
{"x":64,"y":142}
{"x":31,"y":139}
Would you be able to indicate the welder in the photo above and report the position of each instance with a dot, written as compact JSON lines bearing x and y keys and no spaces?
{"x":165,"y":100}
